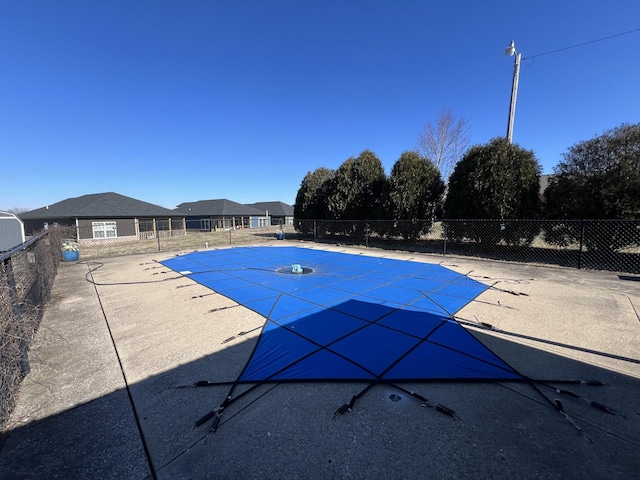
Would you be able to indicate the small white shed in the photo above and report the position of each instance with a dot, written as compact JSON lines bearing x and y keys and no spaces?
{"x":11,"y":231}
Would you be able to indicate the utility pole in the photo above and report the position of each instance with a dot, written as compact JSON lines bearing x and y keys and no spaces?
{"x":511,"y":51}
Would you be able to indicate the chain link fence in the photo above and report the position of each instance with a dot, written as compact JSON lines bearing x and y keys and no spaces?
{"x":166,"y":236}
{"x":27,"y":272}
{"x":26,"y":278}
{"x":612,"y":245}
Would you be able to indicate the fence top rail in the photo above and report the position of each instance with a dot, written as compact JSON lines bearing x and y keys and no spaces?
{"x":22,"y":246}
{"x":547,"y":220}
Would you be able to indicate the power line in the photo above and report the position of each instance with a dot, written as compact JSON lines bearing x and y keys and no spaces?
{"x":582,"y":44}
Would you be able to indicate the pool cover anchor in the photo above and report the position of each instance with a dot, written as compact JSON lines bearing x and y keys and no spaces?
{"x":590,"y":383}
{"x":580,"y":430}
{"x":446,"y":410}
{"x":592,"y":403}
{"x":510,"y":292}
{"x":424,"y":402}
{"x":208,"y":416}
{"x":241,"y":334}
{"x":215,"y":423}
{"x":216,"y":413}
{"x":348,"y":407}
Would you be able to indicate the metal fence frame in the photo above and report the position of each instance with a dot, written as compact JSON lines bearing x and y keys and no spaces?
{"x":611,"y":245}
{"x":27,"y":273}
{"x":178,"y":240}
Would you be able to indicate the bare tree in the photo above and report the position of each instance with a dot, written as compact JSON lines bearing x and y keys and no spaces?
{"x":444,"y":142}
{"x":17,"y":210}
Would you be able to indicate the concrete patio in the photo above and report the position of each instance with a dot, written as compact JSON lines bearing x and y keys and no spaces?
{"x":120,"y":336}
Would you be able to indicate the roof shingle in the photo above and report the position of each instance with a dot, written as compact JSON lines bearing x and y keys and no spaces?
{"x":219,"y":207}
{"x":275,"y":209}
{"x":99,"y":205}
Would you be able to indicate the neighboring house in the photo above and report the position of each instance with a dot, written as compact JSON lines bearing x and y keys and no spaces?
{"x":220,"y":214}
{"x":11,"y":231}
{"x":107,"y":216}
{"x":278,"y":213}
{"x":544,"y":183}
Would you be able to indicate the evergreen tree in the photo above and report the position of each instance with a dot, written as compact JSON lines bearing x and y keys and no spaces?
{"x":355,"y":192}
{"x":498,"y":180}
{"x":311,"y":198}
{"x":414,"y":194}
{"x":598,"y":179}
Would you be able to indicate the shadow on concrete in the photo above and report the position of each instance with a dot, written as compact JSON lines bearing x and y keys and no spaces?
{"x":278,"y":430}
{"x":629,"y":278}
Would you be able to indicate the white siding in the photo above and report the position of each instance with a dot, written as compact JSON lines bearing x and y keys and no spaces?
{"x":11,"y":231}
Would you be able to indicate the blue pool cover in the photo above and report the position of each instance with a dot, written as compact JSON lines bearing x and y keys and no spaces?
{"x":348,"y":317}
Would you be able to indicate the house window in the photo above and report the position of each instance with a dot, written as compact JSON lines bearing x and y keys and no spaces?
{"x":263,"y":222}
{"x":104,"y":229}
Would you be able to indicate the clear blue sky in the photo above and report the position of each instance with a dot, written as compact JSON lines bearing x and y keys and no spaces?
{"x":176,"y":101}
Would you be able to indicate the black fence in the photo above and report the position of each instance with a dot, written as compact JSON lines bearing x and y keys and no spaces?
{"x":130,"y":238}
{"x":26,"y":278}
{"x":612,"y":245}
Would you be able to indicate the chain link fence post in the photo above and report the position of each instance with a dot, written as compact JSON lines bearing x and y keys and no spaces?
{"x":444,"y":233}
{"x":366,"y":234}
{"x":580,"y":250}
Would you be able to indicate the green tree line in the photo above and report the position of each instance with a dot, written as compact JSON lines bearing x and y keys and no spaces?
{"x":597,"y":179}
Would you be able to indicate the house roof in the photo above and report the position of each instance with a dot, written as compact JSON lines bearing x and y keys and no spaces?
{"x":9,"y":215}
{"x":275,"y":209}
{"x":544,"y":182}
{"x":219,"y":207}
{"x":99,"y":205}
